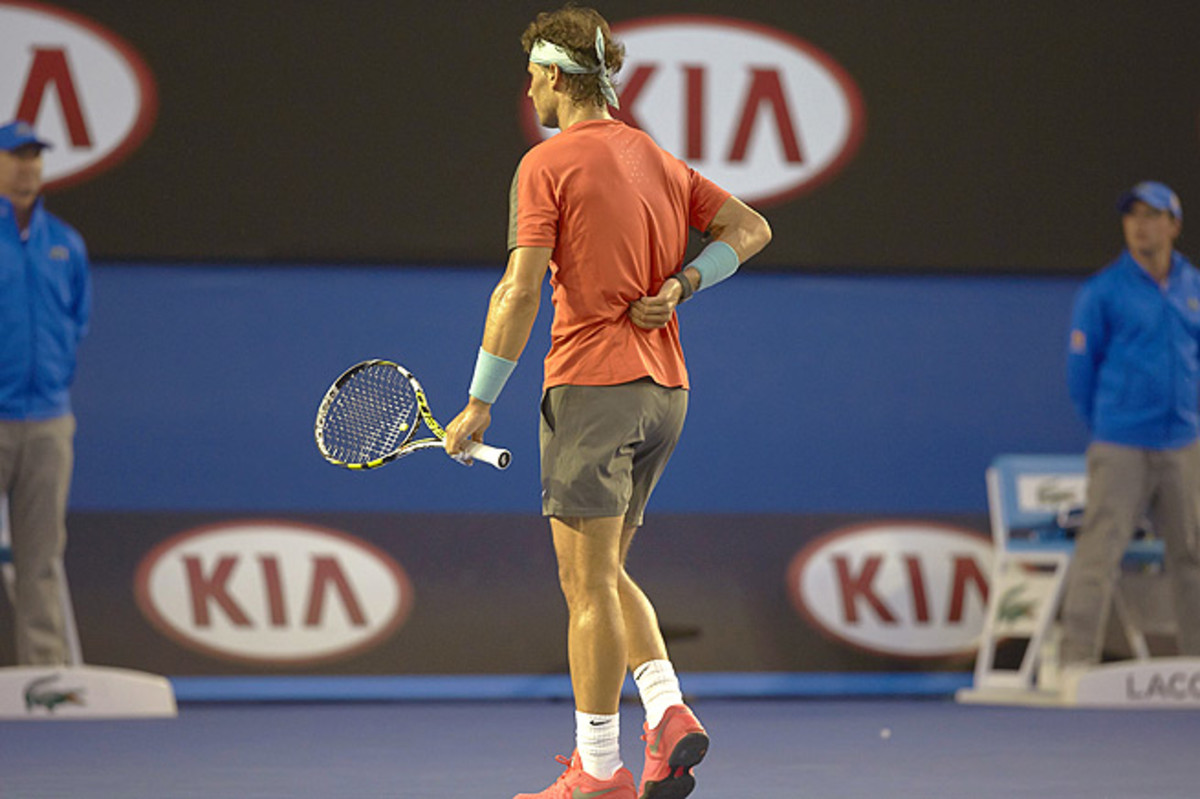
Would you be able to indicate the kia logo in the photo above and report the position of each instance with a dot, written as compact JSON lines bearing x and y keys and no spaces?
{"x":272,"y":592}
{"x":905,"y":589}
{"x":758,"y":110}
{"x":82,"y":87}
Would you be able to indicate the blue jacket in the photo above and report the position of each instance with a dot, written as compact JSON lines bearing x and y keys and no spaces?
{"x":1133,"y":363}
{"x":45,"y":303}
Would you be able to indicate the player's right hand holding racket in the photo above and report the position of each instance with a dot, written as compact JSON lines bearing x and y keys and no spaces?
{"x":468,"y":426}
{"x":370,"y":416}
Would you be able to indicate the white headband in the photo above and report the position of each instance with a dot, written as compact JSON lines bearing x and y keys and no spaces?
{"x":547,"y":53}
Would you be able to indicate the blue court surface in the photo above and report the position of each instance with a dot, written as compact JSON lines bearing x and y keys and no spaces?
{"x":776,"y":749}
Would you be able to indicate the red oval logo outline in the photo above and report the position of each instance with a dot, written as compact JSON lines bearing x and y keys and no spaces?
{"x":856,"y":122}
{"x":162,"y":624}
{"x":147,"y":105}
{"x":799,"y":562}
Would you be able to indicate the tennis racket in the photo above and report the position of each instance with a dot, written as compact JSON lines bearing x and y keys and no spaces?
{"x":370,"y":416}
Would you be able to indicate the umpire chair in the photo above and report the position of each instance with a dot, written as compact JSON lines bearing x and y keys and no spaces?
{"x":1033,"y":504}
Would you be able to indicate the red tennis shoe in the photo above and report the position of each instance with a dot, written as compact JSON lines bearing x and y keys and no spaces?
{"x":575,"y":783}
{"x":672,"y":748}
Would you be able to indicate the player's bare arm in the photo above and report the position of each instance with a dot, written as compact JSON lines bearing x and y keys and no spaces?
{"x":741,"y":227}
{"x":512,"y":311}
{"x":736,"y":224}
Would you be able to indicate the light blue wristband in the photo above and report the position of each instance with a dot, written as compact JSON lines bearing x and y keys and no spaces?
{"x":715,"y":262}
{"x":491,"y":373}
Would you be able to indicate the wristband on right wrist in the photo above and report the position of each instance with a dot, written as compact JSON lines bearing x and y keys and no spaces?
{"x":491,"y":373}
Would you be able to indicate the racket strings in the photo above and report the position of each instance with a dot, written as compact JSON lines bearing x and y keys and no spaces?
{"x":373,"y":415}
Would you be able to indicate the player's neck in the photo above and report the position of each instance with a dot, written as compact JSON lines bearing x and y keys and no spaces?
{"x":572,"y":114}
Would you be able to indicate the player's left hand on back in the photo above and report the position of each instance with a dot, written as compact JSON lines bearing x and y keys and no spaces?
{"x":651,"y":313}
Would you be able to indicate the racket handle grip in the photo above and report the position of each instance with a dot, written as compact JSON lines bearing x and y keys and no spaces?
{"x":500,"y":458}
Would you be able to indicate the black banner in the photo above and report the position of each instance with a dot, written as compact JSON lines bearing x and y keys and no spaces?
{"x":982,"y":137}
{"x":209,"y":593}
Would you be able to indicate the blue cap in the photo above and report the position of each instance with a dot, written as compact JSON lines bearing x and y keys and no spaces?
{"x":1154,"y":194}
{"x":18,"y":134}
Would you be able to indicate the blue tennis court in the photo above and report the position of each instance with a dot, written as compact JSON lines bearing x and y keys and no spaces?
{"x":827,"y":749}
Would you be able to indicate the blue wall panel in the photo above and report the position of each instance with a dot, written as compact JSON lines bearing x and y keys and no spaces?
{"x":198,"y":385}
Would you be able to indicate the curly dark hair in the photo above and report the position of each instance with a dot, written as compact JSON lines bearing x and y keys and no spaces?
{"x":574,"y":28}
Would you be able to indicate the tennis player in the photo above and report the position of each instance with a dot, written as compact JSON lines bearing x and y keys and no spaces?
{"x":607,"y":212}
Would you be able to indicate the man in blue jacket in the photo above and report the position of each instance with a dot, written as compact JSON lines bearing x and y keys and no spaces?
{"x":1134,"y":376}
{"x":45,"y":301}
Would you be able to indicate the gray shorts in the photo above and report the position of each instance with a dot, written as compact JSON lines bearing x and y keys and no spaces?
{"x":604,"y":447}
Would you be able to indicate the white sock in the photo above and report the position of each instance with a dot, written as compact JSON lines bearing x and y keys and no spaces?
{"x":598,"y":739}
{"x":658,"y":687}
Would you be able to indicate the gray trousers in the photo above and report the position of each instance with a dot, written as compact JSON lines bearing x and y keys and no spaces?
{"x":1124,"y":483}
{"x":36,"y":458}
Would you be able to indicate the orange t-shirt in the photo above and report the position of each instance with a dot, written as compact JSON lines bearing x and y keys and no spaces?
{"x":615,"y":208}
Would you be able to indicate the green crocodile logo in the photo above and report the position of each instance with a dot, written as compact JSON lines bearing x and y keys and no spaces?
{"x":1013,"y":608}
{"x":39,"y":694}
